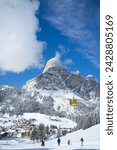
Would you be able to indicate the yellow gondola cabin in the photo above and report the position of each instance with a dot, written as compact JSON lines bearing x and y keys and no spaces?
{"x":73,"y":102}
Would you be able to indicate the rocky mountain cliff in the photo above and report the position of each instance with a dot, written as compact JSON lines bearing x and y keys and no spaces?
{"x":58,"y":78}
{"x":50,"y":93}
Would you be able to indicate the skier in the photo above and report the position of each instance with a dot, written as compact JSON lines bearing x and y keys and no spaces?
{"x":42,"y":143}
{"x":58,"y":141}
{"x":68,"y":142}
{"x":82,"y":140}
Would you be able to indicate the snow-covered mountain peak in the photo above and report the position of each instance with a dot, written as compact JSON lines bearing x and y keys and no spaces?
{"x":76,"y":72}
{"x":90,"y":76}
{"x":5,"y":87}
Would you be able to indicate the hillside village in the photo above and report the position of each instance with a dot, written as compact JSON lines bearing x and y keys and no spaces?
{"x":23,"y":128}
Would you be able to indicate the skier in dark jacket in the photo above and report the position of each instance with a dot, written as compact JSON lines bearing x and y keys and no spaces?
{"x":58,"y":141}
{"x":42,"y":143}
{"x":82,"y":140}
{"x":68,"y":142}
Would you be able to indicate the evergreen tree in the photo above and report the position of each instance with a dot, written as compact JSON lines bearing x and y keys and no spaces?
{"x":59,"y":132}
{"x":47,"y":130}
{"x":41,"y":132}
{"x":33,"y":134}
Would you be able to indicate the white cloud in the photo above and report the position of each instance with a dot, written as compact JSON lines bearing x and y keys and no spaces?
{"x":58,"y":58}
{"x":59,"y":61}
{"x":63,"y":49}
{"x":68,"y":62}
{"x":19,"y":48}
{"x":79,"y":21}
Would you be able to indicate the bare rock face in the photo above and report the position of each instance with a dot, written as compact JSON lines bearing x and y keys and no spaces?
{"x":58,"y":78}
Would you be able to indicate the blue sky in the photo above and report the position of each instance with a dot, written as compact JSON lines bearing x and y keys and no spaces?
{"x":70,"y":28}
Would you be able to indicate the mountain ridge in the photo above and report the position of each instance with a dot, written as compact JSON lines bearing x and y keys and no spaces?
{"x":50,"y":92}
